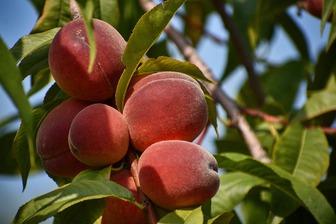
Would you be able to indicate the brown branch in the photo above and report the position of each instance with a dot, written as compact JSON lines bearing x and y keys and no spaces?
{"x":242,"y":51}
{"x":145,"y":201}
{"x":273,"y":119}
{"x":217,"y":93}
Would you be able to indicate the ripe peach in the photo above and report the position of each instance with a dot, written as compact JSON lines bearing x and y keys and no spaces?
{"x":98,"y":135}
{"x":123,"y":212}
{"x":177,"y":174}
{"x":69,"y":60}
{"x":165,"y":109}
{"x":139,"y":81}
{"x":52,"y":139}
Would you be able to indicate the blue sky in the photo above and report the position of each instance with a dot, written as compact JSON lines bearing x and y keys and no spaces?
{"x":17,"y":17}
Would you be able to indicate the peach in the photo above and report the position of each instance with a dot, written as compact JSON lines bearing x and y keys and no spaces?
{"x":52,"y":139}
{"x":69,"y":60}
{"x":178,"y":174}
{"x":141,"y":80}
{"x":120,"y":211}
{"x":98,"y":135}
{"x":165,"y":109}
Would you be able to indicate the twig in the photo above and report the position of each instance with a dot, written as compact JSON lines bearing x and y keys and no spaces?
{"x":273,"y":119}
{"x":217,"y":93}
{"x":242,"y":51}
{"x":145,"y":201}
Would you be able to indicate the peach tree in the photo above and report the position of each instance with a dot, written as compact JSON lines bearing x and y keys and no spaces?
{"x":121,"y":127}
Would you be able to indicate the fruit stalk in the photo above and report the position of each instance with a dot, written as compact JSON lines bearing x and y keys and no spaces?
{"x":145,"y":201}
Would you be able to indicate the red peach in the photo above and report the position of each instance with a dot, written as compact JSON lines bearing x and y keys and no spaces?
{"x":52,"y":139}
{"x":165,"y":109}
{"x":177,"y":174}
{"x":124,"y":212}
{"x":69,"y":60}
{"x":98,"y":135}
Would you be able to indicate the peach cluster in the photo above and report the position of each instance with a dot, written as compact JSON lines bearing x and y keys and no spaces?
{"x":163,"y":113}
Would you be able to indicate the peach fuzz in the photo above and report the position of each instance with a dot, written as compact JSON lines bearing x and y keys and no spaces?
{"x":138,"y":81}
{"x":120,"y":211}
{"x":178,"y":174}
{"x":98,"y":135}
{"x":165,"y":109}
{"x":69,"y":56}
{"x":52,"y":139}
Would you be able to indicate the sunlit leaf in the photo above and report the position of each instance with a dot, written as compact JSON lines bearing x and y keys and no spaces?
{"x":86,"y":10}
{"x":28,"y":44}
{"x":184,"y":216}
{"x":282,"y":181}
{"x":233,"y":189}
{"x":107,"y":10}
{"x":170,"y":64}
{"x":49,"y":204}
{"x":10,"y":79}
{"x":145,"y":34}
{"x":303,"y":153}
{"x":319,"y":103}
{"x":55,"y":14}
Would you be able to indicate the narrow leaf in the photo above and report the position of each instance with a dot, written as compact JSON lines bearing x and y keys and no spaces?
{"x":170,"y":64}
{"x":10,"y":79}
{"x":55,"y":14}
{"x":303,"y":153}
{"x":28,"y":44}
{"x":233,"y":189}
{"x":108,"y":11}
{"x":47,"y":205}
{"x":281,"y":180}
{"x":319,"y":103}
{"x":183,"y":216}
{"x":145,"y":34}
{"x":315,"y":202}
{"x":86,"y":9}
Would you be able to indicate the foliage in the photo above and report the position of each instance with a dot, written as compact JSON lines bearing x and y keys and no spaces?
{"x":299,"y":141}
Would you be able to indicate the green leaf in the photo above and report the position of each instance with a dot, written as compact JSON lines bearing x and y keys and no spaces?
{"x":315,"y":202}
{"x":184,"y":216}
{"x":164,"y":63}
{"x":86,"y":10}
{"x":28,"y":44}
{"x":39,"y":80}
{"x":233,"y":188}
{"x":86,"y":212}
{"x":55,"y":14}
{"x":34,"y":62}
{"x":10,"y":79}
{"x":8,"y":163}
{"x":145,"y":34}
{"x":303,"y":153}
{"x":107,"y":10}
{"x":282,"y":181}
{"x":195,"y":16}
{"x":224,"y":218}
{"x":324,"y":68}
{"x":47,"y":205}
{"x":327,"y":10}
{"x":26,"y":156}
{"x":319,"y":103}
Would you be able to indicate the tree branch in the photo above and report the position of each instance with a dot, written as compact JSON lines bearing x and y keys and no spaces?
{"x":242,"y":51}
{"x":217,"y":93}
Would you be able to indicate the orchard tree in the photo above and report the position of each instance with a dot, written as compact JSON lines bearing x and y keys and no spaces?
{"x":121,"y":128}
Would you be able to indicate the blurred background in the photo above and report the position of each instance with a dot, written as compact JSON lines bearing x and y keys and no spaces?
{"x":17,"y":18}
